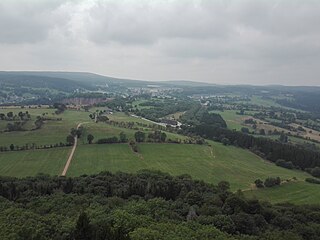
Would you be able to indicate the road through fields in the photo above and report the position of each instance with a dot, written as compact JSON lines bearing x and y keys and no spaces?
{"x":66,"y":167}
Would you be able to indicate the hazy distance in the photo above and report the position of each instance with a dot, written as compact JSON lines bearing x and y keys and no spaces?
{"x":224,"y":42}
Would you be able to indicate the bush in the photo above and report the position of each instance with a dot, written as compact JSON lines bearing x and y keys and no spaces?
{"x":284,"y":164}
{"x":259,"y":183}
{"x":312,"y":180}
{"x":225,"y":141}
{"x":108,"y":140}
{"x":270,"y":182}
{"x":316,"y":172}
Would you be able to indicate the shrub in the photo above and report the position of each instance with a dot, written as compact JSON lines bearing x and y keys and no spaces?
{"x":284,"y":164}
{"x":108,"y":140}
{"x":259,"y":183}
{"x":270,"y":182}
{"x":312,"y":180}
{"x":316,"y":172}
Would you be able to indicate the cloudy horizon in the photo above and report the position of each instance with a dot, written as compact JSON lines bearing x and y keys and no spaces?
{"x":219,"y":41}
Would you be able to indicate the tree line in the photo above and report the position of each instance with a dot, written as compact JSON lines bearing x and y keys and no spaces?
{"x":142,"y":206}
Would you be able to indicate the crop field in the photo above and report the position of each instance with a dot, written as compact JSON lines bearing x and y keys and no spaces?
{"x":293,"y":192}
{"x":32,"y":162}
{"x":211,"y":164}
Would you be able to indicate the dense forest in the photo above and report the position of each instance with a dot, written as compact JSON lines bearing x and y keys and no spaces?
{"x":304,"y":101}
{"x":146,"y":205}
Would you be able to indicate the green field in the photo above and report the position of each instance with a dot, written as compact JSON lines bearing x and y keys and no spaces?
{"x":233,"y":120}
{"x":50,"y":133}
{"x":293,"y":192}
{"x":211,"y":164}
{"x":32,"y":162}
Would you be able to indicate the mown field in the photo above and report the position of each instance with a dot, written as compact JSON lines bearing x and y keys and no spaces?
{"x":33,"y":162}
{"x":293,"y":192}
{"x":209,"y":163}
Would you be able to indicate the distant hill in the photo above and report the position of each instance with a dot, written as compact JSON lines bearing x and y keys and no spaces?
{"x":96,"y":79}
{"x":20,"y":79}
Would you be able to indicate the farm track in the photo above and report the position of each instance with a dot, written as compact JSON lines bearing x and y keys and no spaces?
{"x":66,"y":167}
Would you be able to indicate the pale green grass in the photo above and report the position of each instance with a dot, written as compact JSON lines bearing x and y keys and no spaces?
{"x":50,"y":133}
{"x":233,"y":120}
{"x":293,"y":192}
{"x":211,"y":164}
{"x":32,"y":162}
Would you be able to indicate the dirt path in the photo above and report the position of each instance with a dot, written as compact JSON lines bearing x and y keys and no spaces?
{"x":64,"y":172}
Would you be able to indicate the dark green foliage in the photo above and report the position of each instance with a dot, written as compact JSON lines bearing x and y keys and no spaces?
{"x":262,"y":132}
{"x":139,"y":136}
{"x":200,"y":115}
{"x":11,"y":147}
{"x":157,"y":136}
{"x":123,"y":137}
{"x":245,"y":130}
{"x":83,"y":229}
{"x":16,"y":126}
{"x":315,"y":172}
{"x":163,"y":108}
{"x":283,"y":138}
{"x":70,"y":140}
{"x":271,"y":182}
{"x":284,"y":164}
{"x":312,"y":180}
{"x":90,"y":138}
{"x":146,"y":205}
{"x":60,"y":107}
{"x":108,"y":140}
{"x":259,"y":183}
{"x":225,"y":141}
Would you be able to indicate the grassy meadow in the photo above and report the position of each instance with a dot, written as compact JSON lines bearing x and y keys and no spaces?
{"x":233,"y":120}
{"x":209,"y":163}
{"x":293,"y":192}
{"x":33,"y":162}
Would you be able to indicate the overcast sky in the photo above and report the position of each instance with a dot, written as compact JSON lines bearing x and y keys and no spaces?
{"x":225,"y":42}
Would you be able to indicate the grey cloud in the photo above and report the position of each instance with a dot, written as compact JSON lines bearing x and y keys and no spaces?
{"x":153,"y":21}
{"x":28,"y":21}
{"x":261,"y":41}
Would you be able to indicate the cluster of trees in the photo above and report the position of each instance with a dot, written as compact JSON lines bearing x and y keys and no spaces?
{"x":98,"y":116}
{"x":15,"y":126}
{"x":269,"y":182}
{"x":74,"y":133}
{"x":122,"y":139}
{"x":159,"y":109}
{"x":314,"y":171}
{"x":312,"y":180}
{"x":60,"y":107}
{"x":157,"y":136}
{"x":143,"y":206}
{"x":10,"y":116}
{"x":200,"y":115}
{"x":284,"y":164}
{"x":108,"y":140}
{"x":301,"y":100}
